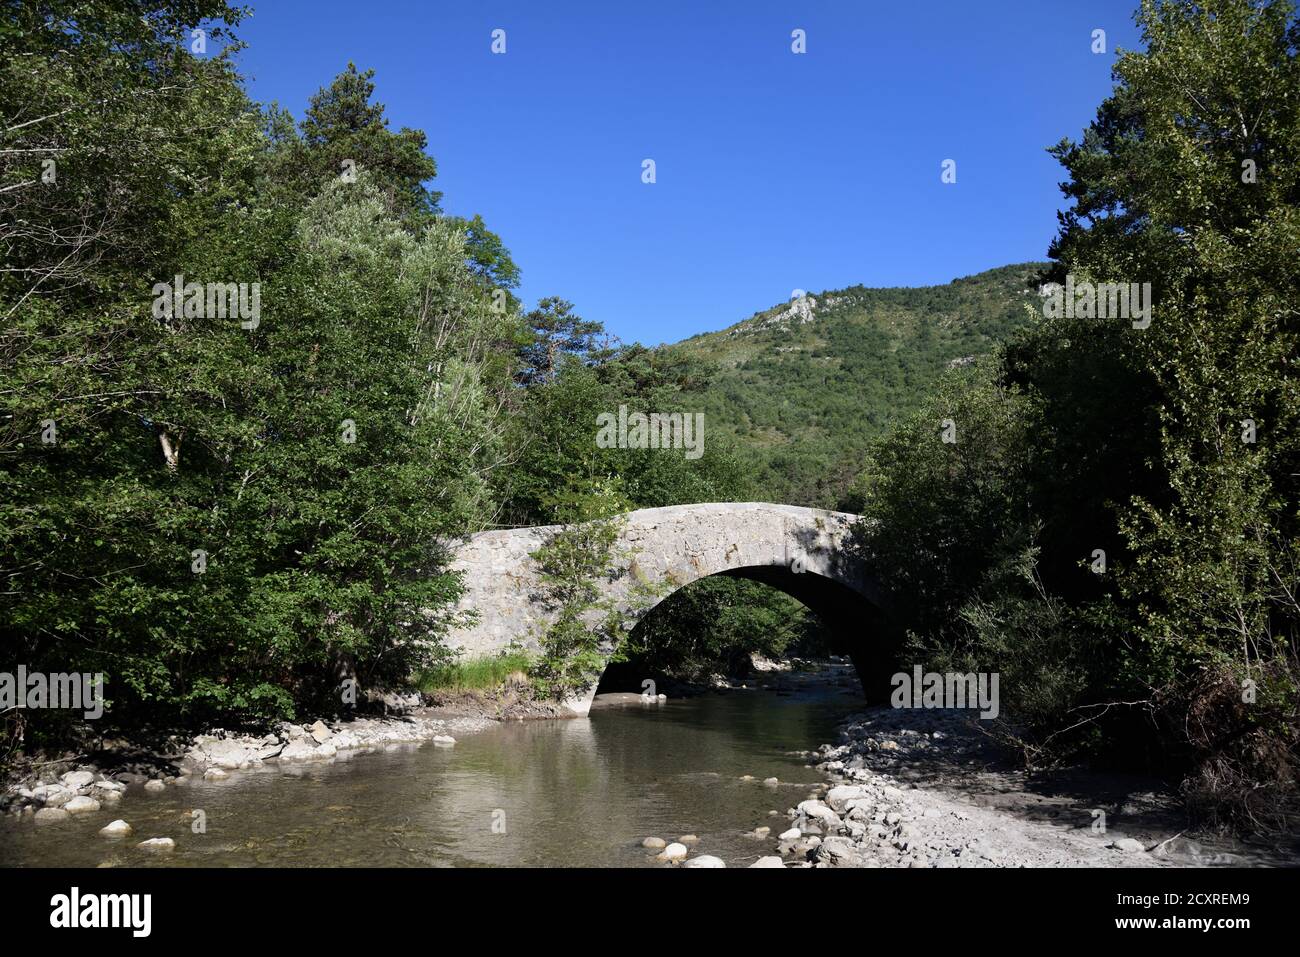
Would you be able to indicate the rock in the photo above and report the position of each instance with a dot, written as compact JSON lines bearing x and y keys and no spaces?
{"x":747,"y":777}
{"x":819,"y":812}
{"x":109,"y":786}
{"x":116,"y":829}
{"x":1129,"y":845}
{"x":654,"y":843}
{"x":771,"y":782}
{"x":673,"y":852}
{"x":49,"y":815}
{"x":688,"y":839}
{"x":77,"y":779}
{"x":836,"y":852}
{"x":158,"y":844}
{"x":771,"y":861}
{"x":215,"y":774}
{"x":791,"y":835}
{"x":705,"y":860}
{"x":56,"y":796}
{"x":761,"y":832}
{"x":155,"y":784}
{"x":838,"y":797}
{"x":319,"y":733}
{"x":299,"y":750}
{"x":81,"y":805}
{"x":892,"y":818}
{"x":443,"y":741}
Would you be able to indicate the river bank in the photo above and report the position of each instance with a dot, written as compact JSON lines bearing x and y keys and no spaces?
{"x":53,"y":790}
{"x":924,"y":788}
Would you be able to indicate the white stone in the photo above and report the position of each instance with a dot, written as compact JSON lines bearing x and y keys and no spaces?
{"x":215,"y":774}
{"x":49,"y":815}
{"x":673,"y":852}
{"x":155,"y":784}
{"x":705,"y":860}
{"x":770,"y":861}
{"x":791,"y":835}
{"x":77,"y":779}
{"x":158,"y":844}
{"x":117,"y":828}
{"x":81,"y":805}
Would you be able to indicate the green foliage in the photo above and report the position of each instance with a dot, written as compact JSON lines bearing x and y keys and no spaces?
{"x":803,"y":400}
{"x":717,"y":624}
{"x":1173,"y":448}
{"x":576,"y":564}
{"x":183,"y":434}
{"x":486,"y":674}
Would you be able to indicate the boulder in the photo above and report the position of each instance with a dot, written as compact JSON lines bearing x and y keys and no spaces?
{"x":77,"y":779}
{"x":818,"y":811}
{"x":673,"y":852}
{"x":81,"y":805}
{"x":50,"y":815}
{"x":838,"y":797}
{"x":319,"y":733}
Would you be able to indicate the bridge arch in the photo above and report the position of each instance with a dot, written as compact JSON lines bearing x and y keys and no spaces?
{"x":801,"y":551}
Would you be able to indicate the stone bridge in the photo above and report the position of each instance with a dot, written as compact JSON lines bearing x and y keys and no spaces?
{"x":797,"y":550}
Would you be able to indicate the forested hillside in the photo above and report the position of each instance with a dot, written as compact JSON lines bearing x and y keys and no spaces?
{"x":802,"y":388}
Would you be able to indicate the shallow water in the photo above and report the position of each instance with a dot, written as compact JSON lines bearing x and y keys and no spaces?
{"x":580,"y":792}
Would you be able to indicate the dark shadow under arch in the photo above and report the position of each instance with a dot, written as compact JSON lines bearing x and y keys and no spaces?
{"x":857,"y":627}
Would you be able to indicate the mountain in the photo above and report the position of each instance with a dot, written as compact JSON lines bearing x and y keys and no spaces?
{"x":803,"y":387}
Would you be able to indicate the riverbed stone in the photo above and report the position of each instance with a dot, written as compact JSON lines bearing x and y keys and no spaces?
{"x":117,"y":828}
{"x":51,"y":815}
{"x":319,"y":733}
{"x":791,"y":835}
{"x":838,"y":797}
{"x":1129,"y":845}
{"x":654,"y":843}
{"x":673,"y":852}
{"x":77,"y":779}
{"x":770,"y":861}
{"x":215,"y":774}
{"x":158,"y":844}
{"x":705,"y":860}
{"x":81,"y":805}
{"x":689,"y":839}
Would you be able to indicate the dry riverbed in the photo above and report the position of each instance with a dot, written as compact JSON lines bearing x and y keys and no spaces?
{"x":923,"y":788}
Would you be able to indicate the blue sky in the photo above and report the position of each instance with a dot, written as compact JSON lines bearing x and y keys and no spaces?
{"x":775,"y":171}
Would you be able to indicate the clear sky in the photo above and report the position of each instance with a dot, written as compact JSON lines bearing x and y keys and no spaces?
{"x":775,"y":171}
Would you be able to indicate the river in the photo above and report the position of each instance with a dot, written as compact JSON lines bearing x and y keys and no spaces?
{"x":582,"y":792}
